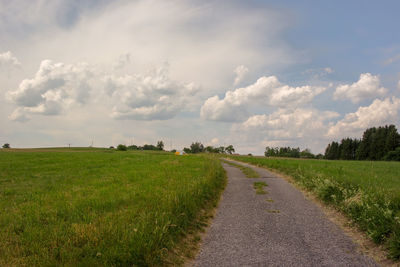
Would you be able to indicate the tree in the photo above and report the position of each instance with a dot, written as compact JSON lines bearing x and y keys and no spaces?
{"x":197,"y":147}
{"x":230,"y":149}
{"x":306,"y":154}
{"x":6,"y":145}
{"x":122,"y":147}
{"x":160,"y":145}
{"x":187,"y":150}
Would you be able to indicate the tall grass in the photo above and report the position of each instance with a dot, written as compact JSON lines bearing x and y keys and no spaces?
{"x":367,"y":192}
{"x":101,"y":207}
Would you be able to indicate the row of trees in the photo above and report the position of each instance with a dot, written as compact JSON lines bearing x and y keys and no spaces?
{"x":382,"y":143}
{"x":159,"y":147}
{"x":198,"y":147}
{"x":289,"y":152}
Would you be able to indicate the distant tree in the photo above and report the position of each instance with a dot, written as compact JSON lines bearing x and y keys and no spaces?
{"x":111,"y":147}
{"x":160,"y":145}
{"x":250,"y":154}
{"x":173,"y":150}
{"x":229,"y":149}
{"x":6,"y":145}
{"x":221,"y":149}
{"x":187,"y":150}
{"x":121,"y":147}
{"x":306,"y":154}
{"x":133,"y":147}
{"x":197,"y":147}
{"x":332,"y":151}
{"x":149,"y":147}
{"x":209,"y":149}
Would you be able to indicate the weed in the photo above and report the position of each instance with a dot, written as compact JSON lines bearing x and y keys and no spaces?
{"x":259,"y":187}
{"x":273,"y":211}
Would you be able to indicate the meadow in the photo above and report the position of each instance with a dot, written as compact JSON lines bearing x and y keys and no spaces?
{"x":368,"y":192}
{"x":101,"y":207}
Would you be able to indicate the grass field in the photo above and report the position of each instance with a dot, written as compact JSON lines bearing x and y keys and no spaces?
{"x":368,"y":192}
{"x":99,"y":207}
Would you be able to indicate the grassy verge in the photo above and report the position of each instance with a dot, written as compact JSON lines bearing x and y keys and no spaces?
{"x":367,"y":192}
{"x":259,"y":187}
{"x":101,"y":207}
{"x":249,"y":172}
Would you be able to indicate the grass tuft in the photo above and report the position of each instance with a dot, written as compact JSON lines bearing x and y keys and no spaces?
{"x":259,"y":187}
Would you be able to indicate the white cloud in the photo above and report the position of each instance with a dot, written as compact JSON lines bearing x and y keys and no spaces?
{"x":379,"y":113}
{"x":213,"y":142}
{"x":240,"y":72}
{"x":303,"y":127}
{"x":265,"y":91}
{"x":7,"y":59}
{"x":367,"y":87}
{"x":148,"y":97}
{"x":289,"y":124}
{"x":54,"y":87}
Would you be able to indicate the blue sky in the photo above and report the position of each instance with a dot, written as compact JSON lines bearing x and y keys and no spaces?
{"x":247,"y":73}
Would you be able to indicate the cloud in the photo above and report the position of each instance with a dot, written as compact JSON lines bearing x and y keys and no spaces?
{"x":54,"y":87}
{"x":148,"y":97}
{"x":379,"y":113}
{"x":367,"y":87}
{"x":7,"y":59}
{"x":240,"y":72}
{"x":122,"y":61}
{"x":304,"y":127}
{"x":318,"y":73}
{"x":392,"y":59}
{"x":265,"y":91}
{"x":289,"y":124}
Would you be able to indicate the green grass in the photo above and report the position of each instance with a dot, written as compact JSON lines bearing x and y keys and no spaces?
{"x":259,"y":187}
{"x":249,"y":172}
{"x":367,"y":192}
{"x":100,"y":207}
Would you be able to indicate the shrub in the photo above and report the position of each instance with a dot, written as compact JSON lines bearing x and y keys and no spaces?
{"x":121,"y":147}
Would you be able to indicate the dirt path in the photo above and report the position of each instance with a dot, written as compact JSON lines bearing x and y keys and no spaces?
{"x":280,"y":228}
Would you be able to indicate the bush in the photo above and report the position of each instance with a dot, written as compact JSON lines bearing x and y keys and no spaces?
{"x":121,"y":147}
{"x":393,"y":155}
{"x":6,"y":145}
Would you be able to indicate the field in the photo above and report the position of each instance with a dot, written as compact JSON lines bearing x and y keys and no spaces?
{"x":367,"y":192}
{"x":100,"y":207}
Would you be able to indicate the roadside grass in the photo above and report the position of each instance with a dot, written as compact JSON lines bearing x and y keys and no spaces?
{"x":249,"y":172}
{"x":367,"y":192}
{"x":102,"y":207}
{"x":259,"y":187}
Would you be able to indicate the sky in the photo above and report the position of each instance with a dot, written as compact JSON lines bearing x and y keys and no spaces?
{"x":248,"y":73}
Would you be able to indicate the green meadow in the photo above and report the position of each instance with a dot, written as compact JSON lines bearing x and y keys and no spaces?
{"x":366,"y":191}
{"x":101,"y":207}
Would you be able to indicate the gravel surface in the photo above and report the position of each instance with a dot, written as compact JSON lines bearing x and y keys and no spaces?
{"x":249,"y":230}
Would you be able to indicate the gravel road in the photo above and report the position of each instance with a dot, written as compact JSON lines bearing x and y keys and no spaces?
{"x":251,"y":230}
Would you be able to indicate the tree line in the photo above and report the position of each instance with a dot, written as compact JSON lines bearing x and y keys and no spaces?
{"x":159,"y":147}
{"x":197,"y":147}
{"x":289,"y":152}
{"x":382,"y":143}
